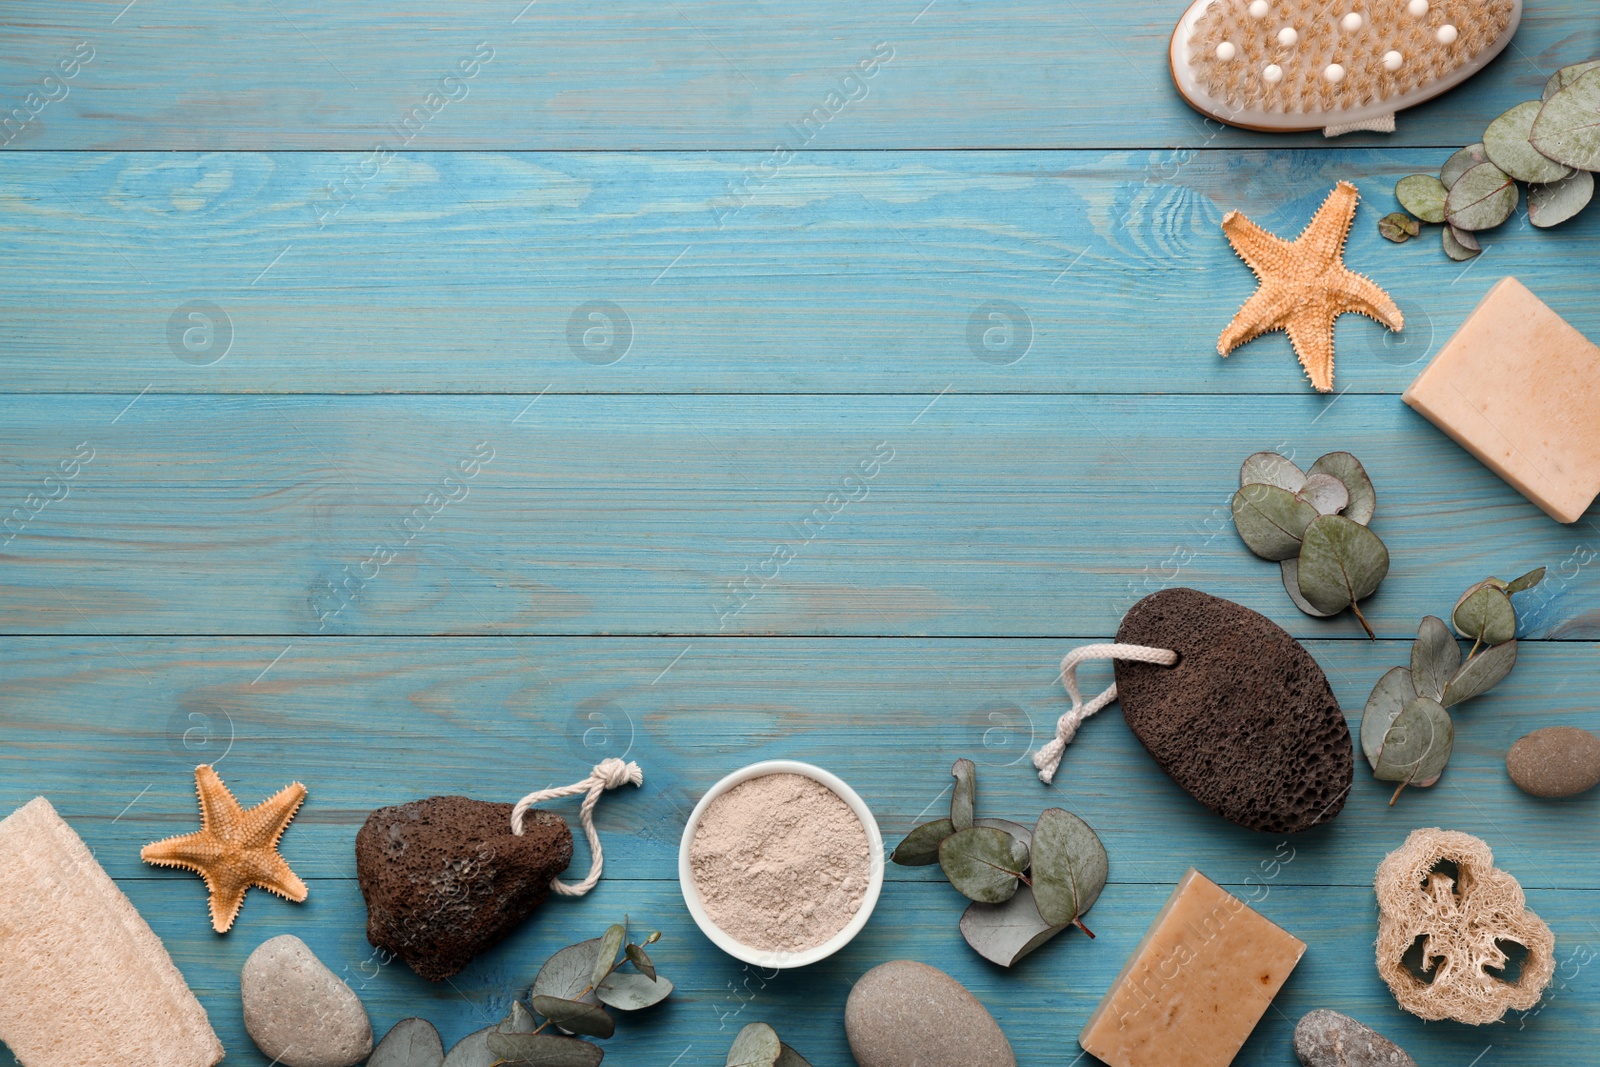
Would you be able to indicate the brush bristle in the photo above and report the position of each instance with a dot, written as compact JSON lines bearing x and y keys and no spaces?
{"x":1322,"y":40}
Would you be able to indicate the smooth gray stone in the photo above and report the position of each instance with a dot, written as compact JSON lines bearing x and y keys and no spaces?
{"x":1558,"y":761}
{"x":409,"y":1043}
{"x":1325,"y":1038}
{"x":297,"y":1011}
{"x":907,"y":1014}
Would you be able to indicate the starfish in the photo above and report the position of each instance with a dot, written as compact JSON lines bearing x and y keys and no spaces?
{"x":1304,"y":285}
{"x":234,"y":849}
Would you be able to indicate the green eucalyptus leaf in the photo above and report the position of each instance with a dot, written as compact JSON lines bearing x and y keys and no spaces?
{"x":983,"y":863}
{"x":473,"y":1050}
{"x":568,"y":973}
{"x":1434,"y":657}
{"x":1481,"y":199}
{"x":1325,"y":493}
{"x":630,"y":991}
{"x":1417,"y":745}
{"x":1481,"y":673}
{"x":757,"y":1045}
{"x":964,"y":798}
{"x":1485,"y":614}
{"x":605,"y":954}
{"x":1460,"y":162}
{"x":1348,"y":469}
{"x":1566,"y":76}
{"x":1568,"y":127}
{"x":788,"y":1057}
{"x":921,"y":845}
{"x":1526,"y":581}
{"x":1271,"y":468}
{"x":1422,"y":195}
{"x":575,"y":1016}
{"x":1506,"y":143}
{"x":1555,"y":203}
{"x":1291,"y":585}
{"x":1004,"y":933}
{"x":1341,"y":564}
{"x":1388,"y":699}
{"x":1398,"y":227}
{"x":1271,"y":520}
{"x":1459,"y":245}
{"x":641,"y":962}
{"x":519,"y":1020}
{"x":544,"y":1050}
{"x":1070,"y":867}
{"x":409,"y":1043}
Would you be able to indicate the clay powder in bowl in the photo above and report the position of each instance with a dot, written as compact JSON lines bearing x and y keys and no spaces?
{"x":781,"y":864}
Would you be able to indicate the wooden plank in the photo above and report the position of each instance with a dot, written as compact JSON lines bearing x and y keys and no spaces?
{"x":110,"y":730}
{"x":692,"y":74}
{"x":849,"y":272}
{"x":865,"y":515}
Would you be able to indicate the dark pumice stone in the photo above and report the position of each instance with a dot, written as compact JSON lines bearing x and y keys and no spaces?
{"x":445,"y":878}
{"x":1245,"y":721}
{"x":1558,"y":761}
{"x":1325,"y":1038}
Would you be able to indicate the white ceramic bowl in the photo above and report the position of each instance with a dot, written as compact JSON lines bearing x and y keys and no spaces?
{"x":767,"y":958}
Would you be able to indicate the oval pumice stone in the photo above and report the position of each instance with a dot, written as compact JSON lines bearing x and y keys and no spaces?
{"x":1324,"y":1038}
{"x":1558,"y":761}
{"x":907,"y":1014}
{"x":1245,"y":721}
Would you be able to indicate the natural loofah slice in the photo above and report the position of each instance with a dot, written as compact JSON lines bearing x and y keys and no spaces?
{"x":1280,"y":65}
{"x":1461,"y":922}
{"x":1305,"y":285}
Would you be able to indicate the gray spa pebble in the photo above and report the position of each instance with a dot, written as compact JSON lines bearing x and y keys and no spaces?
{"x":1327,"y":1039}
{"x":907,"y":1014}
{"x":1558,"y":761}
{"x":297,"y":1011}
{"x":409,"y":1043}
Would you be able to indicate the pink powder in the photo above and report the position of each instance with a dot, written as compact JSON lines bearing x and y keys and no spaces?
{"x":781,"y":862}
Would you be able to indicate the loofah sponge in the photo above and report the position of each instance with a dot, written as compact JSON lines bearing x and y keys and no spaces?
{"x":1298,"y":65}
{"x":1461,"y":921}
{"x":84,"y":981}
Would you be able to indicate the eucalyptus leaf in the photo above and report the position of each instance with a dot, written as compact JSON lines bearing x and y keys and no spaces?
{"x":1459,"y":245}
{"x":1434,"y":657}
{"x":575,"y":1016}
{"x":1325,"y":493}
{"x":788,"y":1057}
{"x":1341,"y":564}
{"x":983,"y":863}
{"x":921,"y":846}
{"x":409,"y":1043}
{"x":1506,"y":143}
{"x":1525,"y":582}
{"x":1271,"y":520}
{"x":1417,"y":745}
{"x":964,"y":798}
{"x":1566,"y":76}
{"x":1291,"y":585}
{"x":1481,"y":673}
{"x":1568,"y":127}
{"x":628,"y":991}
{"x":1481,"y":199}
{"x":1004,"y":933}
{"x":1070,"y":867}
{"x":568,"y":974}
{"x":519,"y":1020}
{"x":1388,"y":699}
{"x":1348,"y":469}
{"x":757,"y":1045}
{"x":1271,"y":468}
{"x":544,"y":1050}
{"x":640,"y":961}
{"x":1460,"y":162}
{"x":473,"y":1050}
{"x":1555,"y":203}
{"x":1422,"y":195}
{"x":1398,"y":227}
{"x":605,"y":954}
{"x":1485,"y":614}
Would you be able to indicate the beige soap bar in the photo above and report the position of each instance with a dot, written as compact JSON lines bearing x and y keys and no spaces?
{"x":1519,"y":388}
{"x":1196,"y":986}
{"x":84,"y":981}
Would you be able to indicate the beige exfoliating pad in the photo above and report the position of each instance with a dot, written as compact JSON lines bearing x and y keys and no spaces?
{"x":84,"y":981}
{"x":1281,"y":65}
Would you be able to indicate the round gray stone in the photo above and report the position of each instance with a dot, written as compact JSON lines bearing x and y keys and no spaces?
{"x":1325,"y":1038}
{"x":907,"y":1014}
{"x":1558,"y":761}
{"x":297,"y":1011}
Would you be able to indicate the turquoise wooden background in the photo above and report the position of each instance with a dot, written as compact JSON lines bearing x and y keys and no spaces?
{"x":379,"y":320}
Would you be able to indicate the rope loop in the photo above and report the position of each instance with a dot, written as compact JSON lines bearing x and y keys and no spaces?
{"x":1048,"y":758}
{"x":609,"y":773}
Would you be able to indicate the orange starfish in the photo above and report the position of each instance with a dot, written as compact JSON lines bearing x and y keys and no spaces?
{"x":1304,"y":285}
{"x":234,"y":849}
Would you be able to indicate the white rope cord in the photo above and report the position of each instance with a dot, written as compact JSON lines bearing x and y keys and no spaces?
{"x":1048,"y":758}
{"x":609,"y":773}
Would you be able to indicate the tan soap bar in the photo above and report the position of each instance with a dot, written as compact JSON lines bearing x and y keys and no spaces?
{"x":1196,"y":986}
{"x":84,"y":981}
{"x":1519,"y":388}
